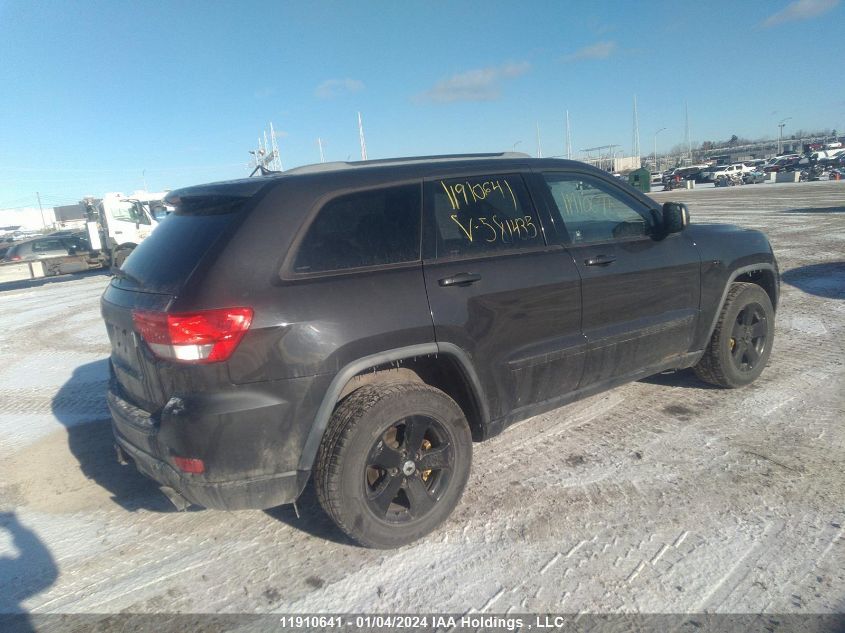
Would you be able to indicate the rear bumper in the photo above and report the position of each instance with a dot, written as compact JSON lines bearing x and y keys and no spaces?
{"x":266,"y":492}
{"x":249,"y":440}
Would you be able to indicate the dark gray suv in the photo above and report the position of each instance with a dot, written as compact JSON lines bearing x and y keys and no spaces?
{"x":363,"y":323}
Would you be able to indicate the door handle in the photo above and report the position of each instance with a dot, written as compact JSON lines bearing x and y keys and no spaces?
{"x":461,"y":279}
{"x":600,"y":260}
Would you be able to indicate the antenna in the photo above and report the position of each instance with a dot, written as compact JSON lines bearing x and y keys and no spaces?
{"x":277,"y":158}
{"x":266,"y":157}
{"x":539,"y":149}
{"x":636,"y":142}
{"x":568,"y":138}
{"x":320,"y":145}
{"x":361,"y":135}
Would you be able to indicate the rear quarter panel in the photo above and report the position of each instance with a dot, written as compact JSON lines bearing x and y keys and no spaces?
{"x":308,"y":326}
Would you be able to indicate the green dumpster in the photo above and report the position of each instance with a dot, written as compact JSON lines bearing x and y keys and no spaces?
{"x":640,"y":179}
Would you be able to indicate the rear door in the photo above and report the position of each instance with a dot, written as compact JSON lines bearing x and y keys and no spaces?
{"x":499,"y":292}
{"x":49,"y":247}
{"x":640,"y":294}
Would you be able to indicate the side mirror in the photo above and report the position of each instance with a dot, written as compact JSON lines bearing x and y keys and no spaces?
{"x":675,"y":217}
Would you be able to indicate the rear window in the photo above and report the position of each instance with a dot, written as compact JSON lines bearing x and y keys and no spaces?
{"x":165,"y":260}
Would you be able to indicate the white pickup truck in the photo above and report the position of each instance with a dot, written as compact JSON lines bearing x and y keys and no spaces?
{"x":118,"y":223}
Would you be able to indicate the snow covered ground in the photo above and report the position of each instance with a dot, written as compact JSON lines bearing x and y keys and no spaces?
{"x":660,"y":496}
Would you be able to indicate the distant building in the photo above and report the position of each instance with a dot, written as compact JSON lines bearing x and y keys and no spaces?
{"x":615,"y":163}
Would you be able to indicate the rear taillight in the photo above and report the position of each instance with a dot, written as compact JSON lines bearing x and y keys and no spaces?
{"x":189,"y":465}
{"x":207,"y":336}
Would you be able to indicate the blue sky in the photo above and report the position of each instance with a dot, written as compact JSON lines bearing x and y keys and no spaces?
{"x":100,"y":96}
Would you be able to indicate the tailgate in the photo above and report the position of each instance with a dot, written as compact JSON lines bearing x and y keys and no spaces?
{"x":134,"y":367}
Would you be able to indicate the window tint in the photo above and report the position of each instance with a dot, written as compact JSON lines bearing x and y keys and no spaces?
{"x":368,"y":228}
{"x":482,"y":214}
{"x":592,"y":211}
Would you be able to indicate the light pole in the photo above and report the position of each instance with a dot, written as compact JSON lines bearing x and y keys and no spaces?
{"x":515,"y":144}
{"x":655,"y":147}
{"x":780,"y":133}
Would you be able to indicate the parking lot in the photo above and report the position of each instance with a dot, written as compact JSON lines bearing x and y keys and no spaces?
{"x":664,"y":495}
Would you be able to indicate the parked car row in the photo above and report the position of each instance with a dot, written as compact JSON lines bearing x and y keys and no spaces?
{"x":816,"y":164}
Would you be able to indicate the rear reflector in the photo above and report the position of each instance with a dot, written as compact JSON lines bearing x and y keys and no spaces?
{"x":208,"y":336}
{"x":189,"y":465}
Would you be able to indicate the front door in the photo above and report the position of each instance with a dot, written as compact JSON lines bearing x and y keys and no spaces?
{"x":511,"y":302}
{"x":640,"y":293}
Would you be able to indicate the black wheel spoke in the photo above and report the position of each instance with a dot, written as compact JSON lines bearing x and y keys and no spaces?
{"x":386,"y":493}
{"x":752,"y":355}
{"x":747,"y":315}
{"x":738,"y":330}
{"x":384,"y":457}
{"x":737,"y":351}
{"x":415,"y":428}
{"x":759,"y":329}
{"x":418,"y":497}
{"x":435,"y":458}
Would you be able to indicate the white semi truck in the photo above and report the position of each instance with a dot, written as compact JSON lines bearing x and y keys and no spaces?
{"x":118,"y":223}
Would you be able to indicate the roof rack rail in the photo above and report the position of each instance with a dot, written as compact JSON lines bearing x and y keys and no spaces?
{"x":335,"y":165}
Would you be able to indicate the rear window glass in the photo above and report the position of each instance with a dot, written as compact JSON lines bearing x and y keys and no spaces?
{"x":165,"y":260}
{"x":367,"y":228}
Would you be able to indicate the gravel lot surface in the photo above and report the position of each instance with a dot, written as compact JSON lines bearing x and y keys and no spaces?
{"x":660,"y":496}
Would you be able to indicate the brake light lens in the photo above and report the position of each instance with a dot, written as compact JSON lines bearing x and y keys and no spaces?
{"x":189,"y":465}
{"x":207,"y":336}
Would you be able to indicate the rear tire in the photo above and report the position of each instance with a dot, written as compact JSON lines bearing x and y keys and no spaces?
{"x":742,"y":341}
{"x":393,"y":463}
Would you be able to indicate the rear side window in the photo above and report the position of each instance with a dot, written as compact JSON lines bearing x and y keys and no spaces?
{"x":482,"y":214}
{"x":42,"y":246}
{"x":366,"y":228}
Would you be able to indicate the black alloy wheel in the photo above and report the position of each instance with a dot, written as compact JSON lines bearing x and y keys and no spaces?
{"x":408,"y":468}
{"x":748,"y":337}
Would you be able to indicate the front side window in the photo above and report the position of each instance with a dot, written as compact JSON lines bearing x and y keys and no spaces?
{"x":130,"y":212}
{"x":482,"y":214}
{"x":592,"y":211}
{"x":367,"y":228}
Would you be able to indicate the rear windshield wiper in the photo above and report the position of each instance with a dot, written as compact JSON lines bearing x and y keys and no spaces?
{"x":122,"y":274}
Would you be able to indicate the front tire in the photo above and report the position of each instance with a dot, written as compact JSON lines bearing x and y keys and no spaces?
{"x":742,"y":341}
{"x":393,"y":463}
